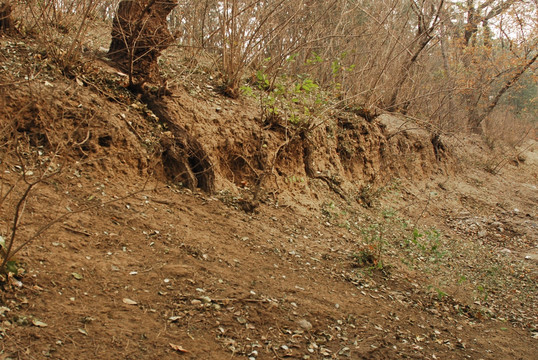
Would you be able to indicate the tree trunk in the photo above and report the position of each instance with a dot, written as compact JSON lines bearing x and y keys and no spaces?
{"x":448,"y":74}
{"x":404,"y":73}
{"x":6,"y":22}
{"x":426,"y":27}
{"x":476,"y":122}
{"x":139,"y":35}
{"x":477,"y":14}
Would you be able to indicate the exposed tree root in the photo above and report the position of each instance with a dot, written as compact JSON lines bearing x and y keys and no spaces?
{"x":184,"y":158}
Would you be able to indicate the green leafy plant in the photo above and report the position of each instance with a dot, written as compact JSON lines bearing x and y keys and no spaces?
{"x":483,"y":293}
{"x":340,"y":72}
{"x":440,"y":293}
{"x":328,"y":210}
{"x":11,"y":264}
{"x":428,"y":242}
{"x":368,"y":256}
{"x":371,"y":252}
{"x":295,"y":179}
{"x":283,"y":99}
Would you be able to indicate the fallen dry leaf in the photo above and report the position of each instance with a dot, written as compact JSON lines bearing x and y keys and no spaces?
{"x":129,"y":301}
{"x":38,"y":323}
{"x":178,"y":348}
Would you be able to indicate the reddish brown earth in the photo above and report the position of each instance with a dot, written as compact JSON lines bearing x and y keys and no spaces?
{"x":321,"y":270}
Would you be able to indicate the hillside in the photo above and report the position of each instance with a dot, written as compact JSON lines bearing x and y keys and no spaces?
{"x":186,"y":225}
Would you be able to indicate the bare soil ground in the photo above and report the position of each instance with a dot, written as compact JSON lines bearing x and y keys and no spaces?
{"x":438,"y":260}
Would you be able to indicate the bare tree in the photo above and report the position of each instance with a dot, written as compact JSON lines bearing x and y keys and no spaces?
{"x":428,"y":19}
{"x":474,"y":57}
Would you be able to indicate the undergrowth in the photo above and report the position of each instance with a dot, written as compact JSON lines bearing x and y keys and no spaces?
{"x":286,"y":100}
{"x":471,"y":276}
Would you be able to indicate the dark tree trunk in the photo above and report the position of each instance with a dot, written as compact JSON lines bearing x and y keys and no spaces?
{"x":423,"y":38}
{"x":475,"y":121}
{"x":6,"y":22}
{"x":477,"y":14}
{"x":139,"y":35}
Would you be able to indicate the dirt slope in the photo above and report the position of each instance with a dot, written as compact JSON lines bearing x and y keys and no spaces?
{"x":323,"y":269}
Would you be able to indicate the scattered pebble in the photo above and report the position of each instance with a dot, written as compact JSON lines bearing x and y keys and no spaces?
{"x":305,"y":324}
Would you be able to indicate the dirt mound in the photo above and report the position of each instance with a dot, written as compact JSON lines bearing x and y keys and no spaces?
{"x":216,"y":143}
{"x":346,"y":152}
{"x":148,"y":268}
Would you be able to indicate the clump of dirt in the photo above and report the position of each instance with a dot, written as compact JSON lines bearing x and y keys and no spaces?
{"x":216,"y":143}
{"x":346,"y":155}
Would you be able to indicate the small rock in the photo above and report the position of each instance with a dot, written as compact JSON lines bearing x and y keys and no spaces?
{"x":38,"y":323}
{"x":4,"y":310}
{"x":77,"y":276}
{"x":305,"y":324}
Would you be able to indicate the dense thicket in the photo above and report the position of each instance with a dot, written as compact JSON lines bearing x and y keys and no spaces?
{"x":456,"y":63}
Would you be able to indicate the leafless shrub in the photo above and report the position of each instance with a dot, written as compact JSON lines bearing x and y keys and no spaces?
{"x":506,"y":126}
{"x":61,"y":26}
{"x":450,"y":62}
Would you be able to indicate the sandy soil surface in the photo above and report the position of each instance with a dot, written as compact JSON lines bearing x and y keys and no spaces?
{"x":439,"y":262}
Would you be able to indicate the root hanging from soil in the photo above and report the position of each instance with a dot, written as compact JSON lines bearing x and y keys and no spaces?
{"x":183,"y":157}
{"x":332,"y":183}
